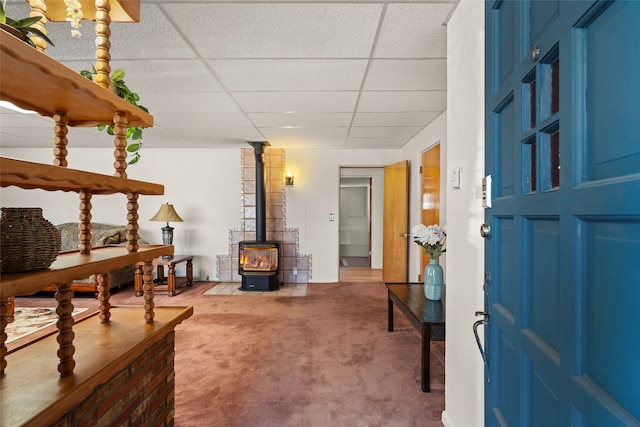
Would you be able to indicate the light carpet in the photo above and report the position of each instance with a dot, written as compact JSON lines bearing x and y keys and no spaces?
{"x":323,"y":360}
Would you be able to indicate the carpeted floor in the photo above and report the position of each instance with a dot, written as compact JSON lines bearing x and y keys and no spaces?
{"x":323,"y":360}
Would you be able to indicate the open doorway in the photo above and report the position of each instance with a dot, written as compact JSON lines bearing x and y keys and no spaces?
{"x":360,"y":223}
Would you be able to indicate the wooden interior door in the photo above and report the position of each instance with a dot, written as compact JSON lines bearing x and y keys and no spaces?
{"x":396,"y":222}
{"x":430,"y":174}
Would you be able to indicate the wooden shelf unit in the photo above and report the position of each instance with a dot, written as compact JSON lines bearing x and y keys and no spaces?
{"x":29,"y":175}
{"x":34,"y":81}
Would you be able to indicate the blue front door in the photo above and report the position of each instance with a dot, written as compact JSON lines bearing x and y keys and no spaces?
{"x":563,"y":254}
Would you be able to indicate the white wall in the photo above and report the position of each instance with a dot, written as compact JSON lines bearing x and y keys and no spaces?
{"x":464,"y":399}
{"x":204,"y":187}
{"x":316,"y":194}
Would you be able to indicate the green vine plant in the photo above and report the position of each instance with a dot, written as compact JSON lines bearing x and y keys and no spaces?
{"x":133,"y":133}
{"x":24,"y":26}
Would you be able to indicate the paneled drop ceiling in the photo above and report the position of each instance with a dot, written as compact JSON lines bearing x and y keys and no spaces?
{"x":300,"y":74}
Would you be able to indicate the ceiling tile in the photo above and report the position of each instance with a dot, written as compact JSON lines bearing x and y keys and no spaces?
{"x":414,"y":30}
{"x":304,"y":133}
{"x":162,"y":75}
{"x":289,"y":74}
{"x":384,"y":132}
{"x":200,"y":120}
{"x":212,"y":102}
{"x":374,"y":143}
{"x":300,"y":119}
{"x":296,"y":102}
{"x":410,"y":74}
{"x":216,"y":73}
{"x":402,"y":101}
{"x":153,"y":37}
{"x":279,"y":30}
{"x":394,"y":119}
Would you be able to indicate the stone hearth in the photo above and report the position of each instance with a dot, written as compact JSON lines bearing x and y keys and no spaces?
{"x":290,"y":259}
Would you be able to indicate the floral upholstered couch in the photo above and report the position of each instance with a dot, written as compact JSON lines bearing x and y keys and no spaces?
{"x":101,"y":235}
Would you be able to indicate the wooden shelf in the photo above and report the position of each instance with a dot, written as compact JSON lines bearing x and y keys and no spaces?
{"x":121,"y":10}
{"x":33,"y":81}
{"x":32,"y":394}
{"x":74,"y":265}
{"x":29,"y":175}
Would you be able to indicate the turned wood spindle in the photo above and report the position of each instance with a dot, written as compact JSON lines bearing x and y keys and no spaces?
{"x":39,"y":8}
{"x":120,"y":142}
{"x":84,"y":227}
{"x":103,"y":44}
{"x":4,"y":308}
{"x":60,"y":140}
{"x":66,"y":349}
{"x":103,"y":297}
{"x":132,"y":222}
{"x":147,"y":291}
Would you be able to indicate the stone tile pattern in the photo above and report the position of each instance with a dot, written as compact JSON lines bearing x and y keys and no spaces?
{"x":290,"y":258}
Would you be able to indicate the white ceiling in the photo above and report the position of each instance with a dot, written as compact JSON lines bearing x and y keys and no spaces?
{"x":300,"y":74}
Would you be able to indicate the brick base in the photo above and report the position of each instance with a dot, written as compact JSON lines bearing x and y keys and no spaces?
{"x":142,"y":394}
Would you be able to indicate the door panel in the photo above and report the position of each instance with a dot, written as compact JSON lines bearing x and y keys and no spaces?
{"x":396,"y":218}
{"x":430,"y":173}
{"x":563,"y":256}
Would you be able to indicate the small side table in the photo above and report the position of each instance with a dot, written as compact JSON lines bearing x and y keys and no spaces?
{"x":428,"y":317}
{"x":171,"y":280}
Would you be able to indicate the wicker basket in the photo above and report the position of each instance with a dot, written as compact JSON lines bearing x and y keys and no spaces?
{"x":27,"y":241}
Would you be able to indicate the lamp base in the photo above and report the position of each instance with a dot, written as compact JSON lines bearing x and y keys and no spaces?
{"x":167,"y":239}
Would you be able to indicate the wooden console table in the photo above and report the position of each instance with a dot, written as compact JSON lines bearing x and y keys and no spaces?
{"x":172,"y":280}
{"x":427,"y":316}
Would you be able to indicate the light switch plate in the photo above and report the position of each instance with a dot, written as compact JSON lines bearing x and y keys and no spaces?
{"x":455,"y":177}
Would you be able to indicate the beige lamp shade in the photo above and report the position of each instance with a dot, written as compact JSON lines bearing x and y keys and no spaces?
{"x":167,"y":214}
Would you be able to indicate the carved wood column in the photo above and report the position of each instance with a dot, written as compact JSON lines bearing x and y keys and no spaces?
{"x":147,"y":291}
{"x":103,"y":44}
{"x":38,"y":8}
{"x":60,"y":140}
{"x":132,"y":222}
{"x":120,"y":142}
{"x":102,"y":282}
{"x":66,"y":349}
{"x":84,"y":227}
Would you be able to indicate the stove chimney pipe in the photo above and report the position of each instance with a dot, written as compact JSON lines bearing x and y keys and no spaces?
{"x":261,"y":203}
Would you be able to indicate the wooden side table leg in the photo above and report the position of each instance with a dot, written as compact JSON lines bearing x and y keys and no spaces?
{"x":137,"y":280}
{"x":390,"y":315}
{"x":189,"y":272}
{"x":160,"y":274}
{"x":426,"y":357}
{"x":171,"y":283}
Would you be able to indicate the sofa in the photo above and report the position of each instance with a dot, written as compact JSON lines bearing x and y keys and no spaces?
{"x":101,"y":235}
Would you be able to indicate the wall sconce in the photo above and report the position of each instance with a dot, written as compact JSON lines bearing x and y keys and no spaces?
{"x":289,"y":179}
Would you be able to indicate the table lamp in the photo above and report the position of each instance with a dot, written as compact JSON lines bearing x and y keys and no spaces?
{"x":167,"y":213}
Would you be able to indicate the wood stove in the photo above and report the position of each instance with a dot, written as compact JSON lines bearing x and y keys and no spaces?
{"x":258,"y":260}
{"x":258,"y":265}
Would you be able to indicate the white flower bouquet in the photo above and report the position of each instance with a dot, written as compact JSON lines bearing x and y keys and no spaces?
{"x":432,"y":238}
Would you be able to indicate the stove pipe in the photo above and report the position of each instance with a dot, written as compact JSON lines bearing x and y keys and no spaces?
{"x":261,"y":195}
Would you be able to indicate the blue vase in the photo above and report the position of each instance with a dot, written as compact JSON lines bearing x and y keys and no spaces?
{"x":433,"y":280}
